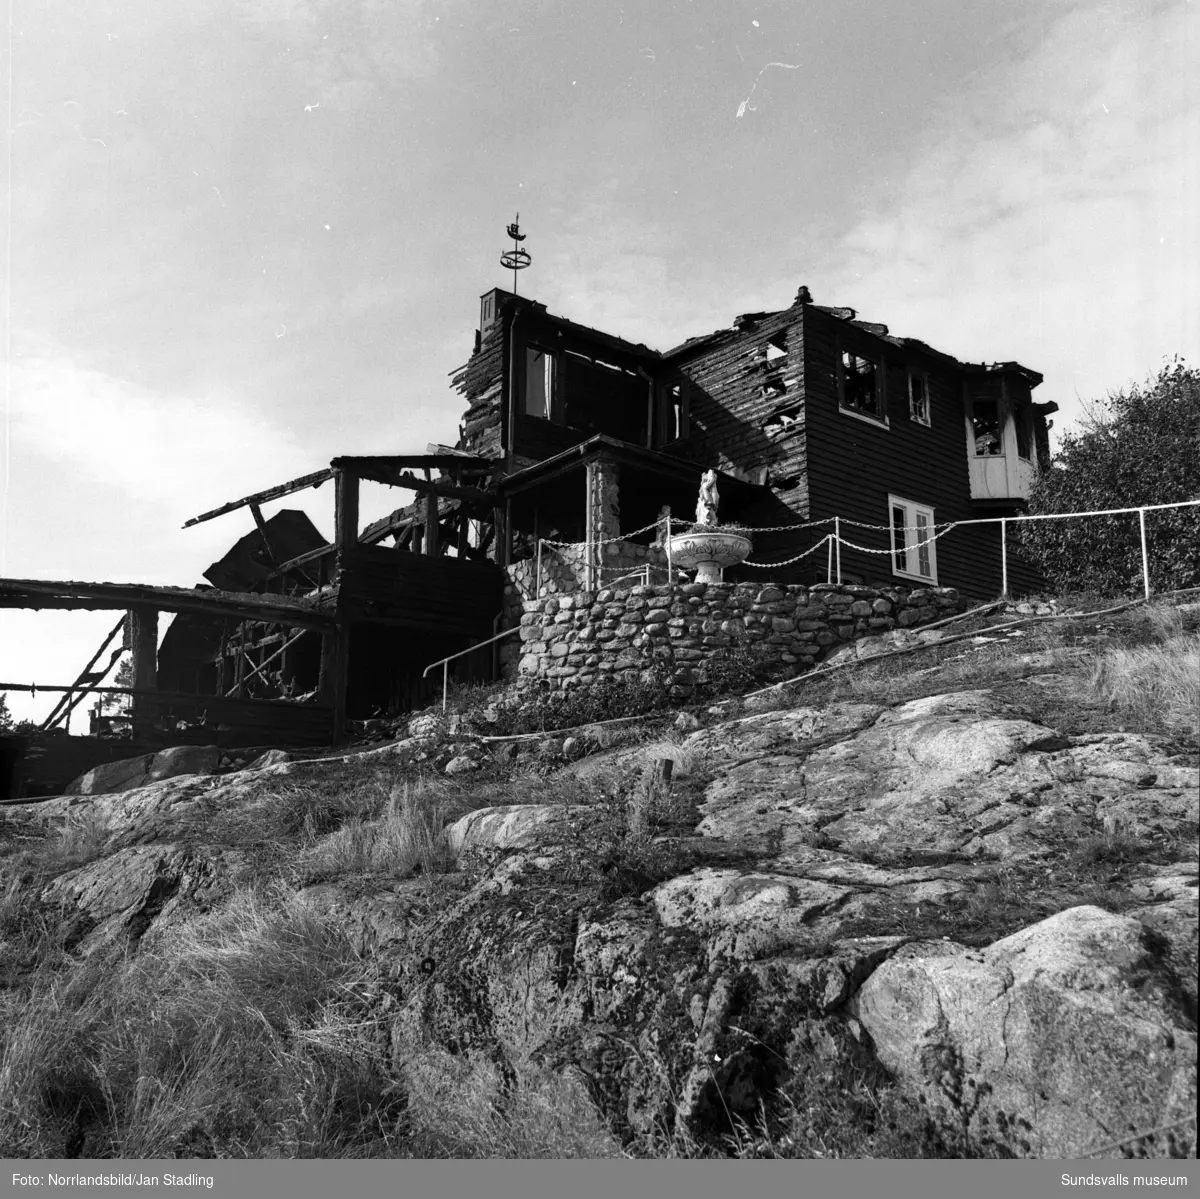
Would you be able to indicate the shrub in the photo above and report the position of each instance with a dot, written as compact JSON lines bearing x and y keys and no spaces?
{"x":1141,"y":446}
{"x":742,"y":666}
{"x":605,"y":699}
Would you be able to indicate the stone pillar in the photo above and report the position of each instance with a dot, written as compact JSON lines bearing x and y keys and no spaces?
{"x":603,"y":515}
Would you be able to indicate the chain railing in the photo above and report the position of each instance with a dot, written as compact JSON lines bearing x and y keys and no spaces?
{"x":834,"y":541}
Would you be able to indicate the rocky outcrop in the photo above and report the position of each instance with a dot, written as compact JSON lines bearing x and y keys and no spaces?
{"x":930,"y":886}
{"x":1061,"y":1038}
{"x":130,"y":773}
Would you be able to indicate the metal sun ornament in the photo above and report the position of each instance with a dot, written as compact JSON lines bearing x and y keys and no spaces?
{"x":515,"y":259}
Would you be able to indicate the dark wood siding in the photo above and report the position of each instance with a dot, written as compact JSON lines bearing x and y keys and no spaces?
{"x":855,"y":464}
{"x":445,"y":595}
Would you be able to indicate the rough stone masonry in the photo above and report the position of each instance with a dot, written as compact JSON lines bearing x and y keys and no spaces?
{"x":571,"y":640}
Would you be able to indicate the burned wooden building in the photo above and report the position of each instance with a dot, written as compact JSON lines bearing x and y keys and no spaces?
{"x":584,"y":442}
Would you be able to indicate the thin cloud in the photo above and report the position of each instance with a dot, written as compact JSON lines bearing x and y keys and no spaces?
{"x":1053,"y":198}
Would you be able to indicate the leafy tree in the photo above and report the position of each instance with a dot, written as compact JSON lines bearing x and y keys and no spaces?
{"x":1139,"y":446}
{"x":6,"y":717}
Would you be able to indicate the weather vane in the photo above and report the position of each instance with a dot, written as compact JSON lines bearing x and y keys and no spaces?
{"x":515,"y":259}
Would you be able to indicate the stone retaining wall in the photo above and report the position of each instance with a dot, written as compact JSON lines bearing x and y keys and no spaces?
{"x":568,"y":640}
{"x":564,"y":571}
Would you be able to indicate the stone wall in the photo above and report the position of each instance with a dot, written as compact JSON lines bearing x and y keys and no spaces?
{"x":564,"y":572}
{"x":570,"y":639}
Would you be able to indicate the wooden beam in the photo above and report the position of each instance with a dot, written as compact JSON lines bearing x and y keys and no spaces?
{"x":144,"y":643}
{"x":302,"y":560}
{"x":256,"y":511}
{"x":380,"y":470}
{"x":260,"y":497}
{"x":361,"y":463}
{"x":43,"y":594}
{"x":65,"y":702}
{"x":346,"y":511}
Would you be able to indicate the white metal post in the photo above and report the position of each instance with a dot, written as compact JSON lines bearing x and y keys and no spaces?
{"x":1145,"y":558}
{"x":445,"y":682}
{"x":537,"y":582}
{"x":670,"y":561}
{"x":1004,"y":559}
{"x":828,"y":557}
{"x":837,"y":536}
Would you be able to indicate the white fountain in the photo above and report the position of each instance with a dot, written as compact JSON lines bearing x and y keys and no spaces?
{"x":706,"y":548}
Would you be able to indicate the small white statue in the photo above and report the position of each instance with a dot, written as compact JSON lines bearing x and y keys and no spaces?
{"x":706,"y":505}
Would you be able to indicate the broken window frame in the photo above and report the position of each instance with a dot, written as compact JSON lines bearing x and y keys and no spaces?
{"x":849,"y":389}
{"x":915,"y":522}
{"x":919,"y":409}
{"x":987,"y":436}
{"x":673,"y":412}
{"x":542,"y":404}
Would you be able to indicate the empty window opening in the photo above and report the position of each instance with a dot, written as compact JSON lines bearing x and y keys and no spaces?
{"x":539,"y":382}
{"x":787,"y":482}
{"x":774,"y":387}
{"x":913,"y":548}
{"x":673,"y":418}
{"x":777,"y":347}
{"x":918,"y":398}
{"x":781,"y":421}
{"x":985,"y":417}
{"x":860,"y":386}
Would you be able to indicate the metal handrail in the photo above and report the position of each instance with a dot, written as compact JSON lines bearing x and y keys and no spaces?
{"x":444,"y":663}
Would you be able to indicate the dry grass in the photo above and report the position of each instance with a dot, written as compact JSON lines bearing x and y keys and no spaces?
{"x":194,"y":1047}
{"x":1154,"y":688}
{"x":408,"y":836}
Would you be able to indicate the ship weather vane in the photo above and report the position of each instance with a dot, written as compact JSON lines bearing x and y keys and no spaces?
{"x":515,"y":259}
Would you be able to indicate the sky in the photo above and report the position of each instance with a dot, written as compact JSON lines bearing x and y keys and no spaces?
{"x":245,"y":236}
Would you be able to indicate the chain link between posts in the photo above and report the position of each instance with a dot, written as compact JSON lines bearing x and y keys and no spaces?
{"x":916,"y":545}
{"x":788,"y":561}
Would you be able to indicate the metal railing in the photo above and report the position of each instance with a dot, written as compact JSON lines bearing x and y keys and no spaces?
{"x":444,"y":663}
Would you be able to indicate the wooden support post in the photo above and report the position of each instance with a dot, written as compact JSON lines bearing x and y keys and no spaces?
{"x":346,"y":509}
{"x":431,"y":525}
{"x":464,"y":531}
{"x":144,"y":643}
{"x":335,"y":666}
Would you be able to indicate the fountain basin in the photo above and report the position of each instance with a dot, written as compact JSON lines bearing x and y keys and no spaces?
{"x":708,"y":552}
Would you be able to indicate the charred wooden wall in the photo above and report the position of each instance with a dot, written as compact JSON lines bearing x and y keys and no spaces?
{"x":481,"y":383}
{"x":413,"y":591}
{"x":746,"y":416}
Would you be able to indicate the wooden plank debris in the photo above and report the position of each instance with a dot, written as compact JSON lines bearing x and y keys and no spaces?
{"x":260,"y":497}
{"x":44,"y":593}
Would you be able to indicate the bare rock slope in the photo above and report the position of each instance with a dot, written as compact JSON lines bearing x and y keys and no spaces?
{"x":1001,"y":916}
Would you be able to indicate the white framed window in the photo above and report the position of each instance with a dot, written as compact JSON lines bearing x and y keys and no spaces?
{"x":918,"y":397}
{"x":914,"y":552}
{"x":540,"y":371}
{"x":860,"y":387}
